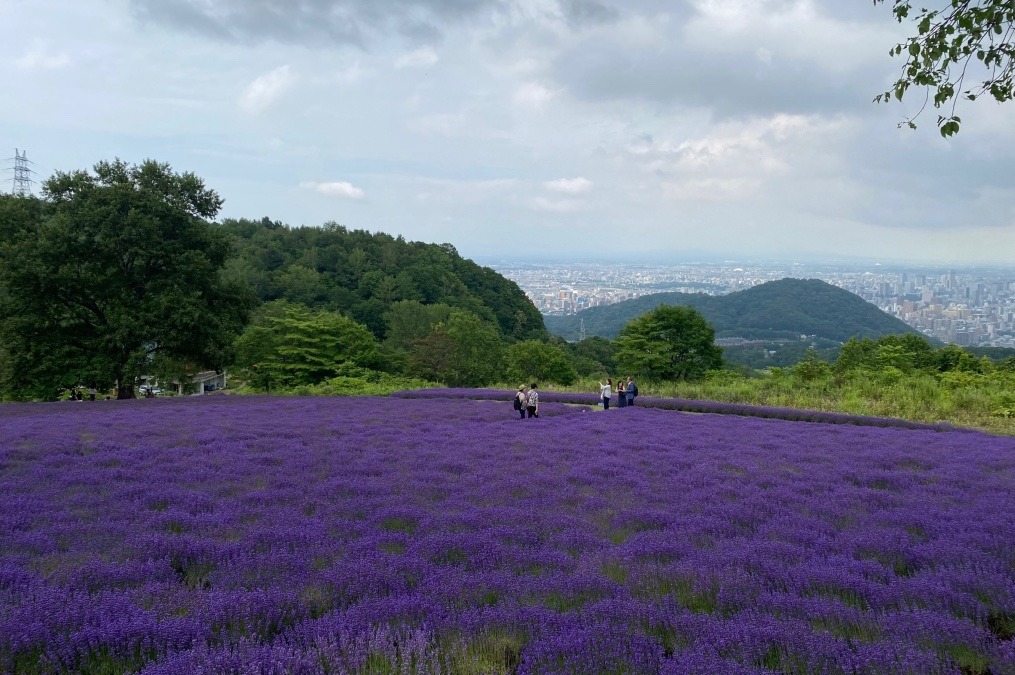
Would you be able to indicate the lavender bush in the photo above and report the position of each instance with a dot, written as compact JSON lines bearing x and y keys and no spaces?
{"x":687,"y":405}
{"x":444,"y":535}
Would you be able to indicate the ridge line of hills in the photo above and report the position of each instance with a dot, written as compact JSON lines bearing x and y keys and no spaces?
{"x":775,"y":310}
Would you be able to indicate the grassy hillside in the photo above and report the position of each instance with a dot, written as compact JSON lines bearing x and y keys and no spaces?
{"x":787,"y":308}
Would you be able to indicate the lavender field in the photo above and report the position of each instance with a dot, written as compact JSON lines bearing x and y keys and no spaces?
{"x":440,"y":535}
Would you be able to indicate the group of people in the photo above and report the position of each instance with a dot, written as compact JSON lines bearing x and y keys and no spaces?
{"x":76,"y":394}
{"x":527,"y":398}
{"x":527,"y":401}
{"x":626,"y":391}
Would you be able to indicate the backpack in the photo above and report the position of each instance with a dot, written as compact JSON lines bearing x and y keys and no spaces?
{"x":635,"y":390}
{"x":518,"y":403}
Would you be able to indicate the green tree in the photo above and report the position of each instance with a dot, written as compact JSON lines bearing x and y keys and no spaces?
{"x":288,"y":345}
{"x":668,"y":343}
{"x":594,"y":356}
{"x":534,"y":360}
{"x":955,"y":358}
{"x":906,"y":352}
{"x":812,"y":367}
{"x":463,"y":351}
{"x":303,"y":285}
{"x":856,"y":354}
{"x":110,"y":269}
{"x":409,"y":320}
{"x":961,"y":50}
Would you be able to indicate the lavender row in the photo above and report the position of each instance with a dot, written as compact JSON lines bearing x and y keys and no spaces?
{"x":443,"y":535}
{"x":689,"y":405}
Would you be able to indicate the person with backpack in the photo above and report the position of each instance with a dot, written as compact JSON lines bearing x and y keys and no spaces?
{"x":632,"y":390}
{"x":521,"y":402}
{"x":605,"y":392}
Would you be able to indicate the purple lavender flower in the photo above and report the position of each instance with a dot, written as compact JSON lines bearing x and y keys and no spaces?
{"x":434,"y":533}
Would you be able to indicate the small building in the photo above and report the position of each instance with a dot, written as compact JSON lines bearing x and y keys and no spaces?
{"x":202,"y":383}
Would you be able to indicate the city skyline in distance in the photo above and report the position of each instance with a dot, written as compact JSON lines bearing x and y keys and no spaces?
{"x":972,"y":306}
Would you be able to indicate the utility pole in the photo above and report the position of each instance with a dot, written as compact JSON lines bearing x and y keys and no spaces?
{"x":581,"y":330}
{"x":22,"y":181}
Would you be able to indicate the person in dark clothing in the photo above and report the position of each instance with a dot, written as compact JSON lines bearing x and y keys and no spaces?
{"x":631,"y":389}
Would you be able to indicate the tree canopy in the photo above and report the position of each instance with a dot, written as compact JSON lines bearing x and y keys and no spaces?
{"x":463,"y":351}
{"x":962,"y":50}
{"x":288,"y":345}
{"x":532,"y":360}
{"x":668,"y":343}
{"x":365,"y":275}
{"x":109,"y":270}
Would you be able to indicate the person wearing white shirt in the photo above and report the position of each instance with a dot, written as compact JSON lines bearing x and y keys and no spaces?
{"x":605,"y":391}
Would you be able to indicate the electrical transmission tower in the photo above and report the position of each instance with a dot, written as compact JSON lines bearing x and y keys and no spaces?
{"x":22,"y":181}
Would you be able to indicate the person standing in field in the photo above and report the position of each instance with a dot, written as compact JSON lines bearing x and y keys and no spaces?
{"x":521,"y":402}
{"x":605,"y":392}
{"x":632,"y":390}
{"x":533,"y":401}
{"x":621,"y":394}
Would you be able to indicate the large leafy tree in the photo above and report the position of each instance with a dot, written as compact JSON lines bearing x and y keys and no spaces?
{"x":534,"y":360}
{"x":463,"y":351}
{"x":668,"y":343}
{"x":289,"y":345}
{"x":963,"y":49}
{"x":109,"y":270}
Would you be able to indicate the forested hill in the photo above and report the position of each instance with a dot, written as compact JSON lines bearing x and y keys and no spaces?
{"x":361,"y":273}
{"x":787,"y":308}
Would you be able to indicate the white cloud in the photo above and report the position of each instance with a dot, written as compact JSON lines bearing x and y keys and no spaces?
{"x":532,"y":95}
{"x":39,"y":58}
{"x":266,"y":89}
{"x":558,"y":205}
{"x":798,"y":29}
{"x":336,"y":188}
{"x":421,"y":58}
{"x":759,"y":147}
{"x":572,"y":186}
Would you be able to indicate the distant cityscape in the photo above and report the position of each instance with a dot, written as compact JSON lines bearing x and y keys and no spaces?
{"x":966,"y":307}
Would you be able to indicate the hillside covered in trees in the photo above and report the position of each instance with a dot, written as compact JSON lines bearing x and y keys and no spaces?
{"x":361,"y":274}
{"x":783,"y":309}
{"x":119,"y":275}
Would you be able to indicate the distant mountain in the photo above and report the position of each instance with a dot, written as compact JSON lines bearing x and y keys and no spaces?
{"x":787,"y":308}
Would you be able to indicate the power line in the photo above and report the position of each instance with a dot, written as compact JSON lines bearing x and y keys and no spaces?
{"x":21,"y":184}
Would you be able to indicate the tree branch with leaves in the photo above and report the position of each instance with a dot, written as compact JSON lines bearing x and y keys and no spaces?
{"x":963,"y":50}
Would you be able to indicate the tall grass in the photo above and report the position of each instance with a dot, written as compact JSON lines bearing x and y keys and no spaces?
{"x":985,"y":402}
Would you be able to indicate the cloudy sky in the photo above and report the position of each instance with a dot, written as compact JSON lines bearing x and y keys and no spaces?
{"x":524,"y":129}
